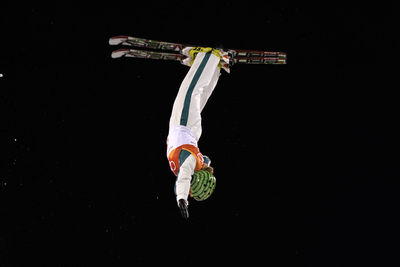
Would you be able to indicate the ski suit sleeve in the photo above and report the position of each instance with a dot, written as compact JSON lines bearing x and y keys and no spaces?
{"x":186,"y":171}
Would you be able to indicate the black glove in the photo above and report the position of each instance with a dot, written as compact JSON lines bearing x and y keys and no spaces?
{"x":184,"y":208}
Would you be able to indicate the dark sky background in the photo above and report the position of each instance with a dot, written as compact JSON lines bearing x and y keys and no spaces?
{"x":305,"y":154}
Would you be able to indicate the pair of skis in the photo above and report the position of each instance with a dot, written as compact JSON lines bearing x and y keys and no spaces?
{"x":236,"y":56}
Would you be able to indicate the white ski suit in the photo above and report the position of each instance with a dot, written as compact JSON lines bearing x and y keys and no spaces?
{"x":185,"y":123}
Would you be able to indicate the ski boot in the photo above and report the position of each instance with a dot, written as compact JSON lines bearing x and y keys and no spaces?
{"x":191,"y":53}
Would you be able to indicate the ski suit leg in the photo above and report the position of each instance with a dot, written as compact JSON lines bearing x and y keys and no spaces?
{"x":208,"y":90}
{"x":194,"y":92}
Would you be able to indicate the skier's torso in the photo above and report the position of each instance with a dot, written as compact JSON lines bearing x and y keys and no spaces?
{"x":181,"y":138}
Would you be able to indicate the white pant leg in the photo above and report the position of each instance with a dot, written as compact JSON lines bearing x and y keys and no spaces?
{"x":209,"y":89}
{"x":194,"y":92}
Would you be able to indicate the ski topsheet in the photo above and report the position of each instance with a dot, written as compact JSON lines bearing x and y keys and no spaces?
{"x":237,"y":55}
{"x":124,"y":52}
{"x":146,"y":54}
{"x":145,"y":43}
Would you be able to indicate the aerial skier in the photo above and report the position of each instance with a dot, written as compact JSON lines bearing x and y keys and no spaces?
{"x":195,"y":176}
{"x":193,"y":170}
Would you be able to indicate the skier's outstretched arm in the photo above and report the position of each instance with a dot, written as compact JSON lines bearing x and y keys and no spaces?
{"x":183,"y":180}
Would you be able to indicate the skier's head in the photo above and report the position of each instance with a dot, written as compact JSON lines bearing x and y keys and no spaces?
{"x":202,"y":185}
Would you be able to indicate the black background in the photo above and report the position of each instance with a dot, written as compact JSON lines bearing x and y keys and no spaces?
{"x":305,"y":154}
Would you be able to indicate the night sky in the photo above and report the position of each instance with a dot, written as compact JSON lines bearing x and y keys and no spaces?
{"x":305,"y":154}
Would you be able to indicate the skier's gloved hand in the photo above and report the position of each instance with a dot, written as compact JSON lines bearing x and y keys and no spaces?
{"x":184,"y":208}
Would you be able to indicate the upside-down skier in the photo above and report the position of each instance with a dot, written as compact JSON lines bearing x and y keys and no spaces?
{"x":185,"y":129}
{"x":194,"y":174}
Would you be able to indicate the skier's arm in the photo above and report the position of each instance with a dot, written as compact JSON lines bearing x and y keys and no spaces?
{"x":186,"y":171}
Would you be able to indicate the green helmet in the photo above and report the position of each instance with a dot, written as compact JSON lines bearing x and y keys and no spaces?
{"x":202,"y":185}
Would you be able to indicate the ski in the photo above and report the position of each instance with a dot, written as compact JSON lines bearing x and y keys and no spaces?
{"x":239,"y":55}
{"x":179,"y":57}
{"x":259,"y":60}
{"x":251,"y":53}
{"x":146,"y":54}
{"x":145,"y":43}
